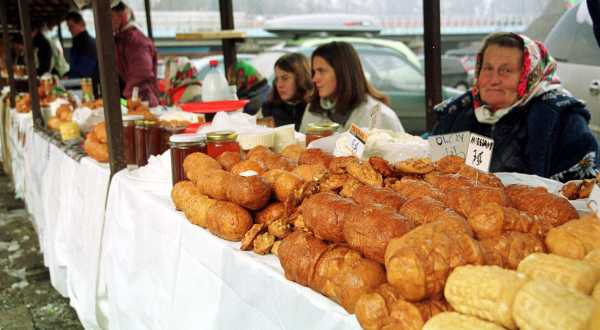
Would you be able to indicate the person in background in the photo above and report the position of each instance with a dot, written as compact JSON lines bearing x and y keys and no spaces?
{"x":251,"y":85}
{"x":42,"y":49}
{"x":18,"y":49}
{"x":517,"y":100}
{"x":181,"y":84}
{"x":83,"y":57}
{"x":292,"y":88}
{"x":135,"y":55}
{"x":59,"y":64}
{"x":342,"y":93}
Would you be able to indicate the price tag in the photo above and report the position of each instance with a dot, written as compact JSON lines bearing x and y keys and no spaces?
{"x":479,"y":152}
{"x":357,"y":141}
{"x":594,"y":200}
{"x":454,"y":144}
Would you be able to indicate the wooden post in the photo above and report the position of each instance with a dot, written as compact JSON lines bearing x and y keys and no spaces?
{"x":433,"y":62}
{"x":60,"y":35}
{"x":229,"y":52}
{"x":8,"y":53}
{"x":38,"y":121}
{"x":149,"y":18}
{"x":105,"y":44}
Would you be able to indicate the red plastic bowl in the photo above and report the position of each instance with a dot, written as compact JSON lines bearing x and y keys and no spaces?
{"x":213,"y":107}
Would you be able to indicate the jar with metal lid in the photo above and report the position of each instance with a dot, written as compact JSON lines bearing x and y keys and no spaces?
{"x":220,"y":141}
{"x":165,"y":134}
{"x":129,"y":137}
{"x":181,"y":146}
{"x":140,"y":143}
{"x":315,"y":131}
{"x":153,"y":138}
{"x":87,"y":90}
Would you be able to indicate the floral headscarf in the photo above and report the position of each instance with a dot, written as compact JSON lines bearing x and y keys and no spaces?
{"x":538,"y":76}
{"x":244,"y":76}
{"x":185,"y":75}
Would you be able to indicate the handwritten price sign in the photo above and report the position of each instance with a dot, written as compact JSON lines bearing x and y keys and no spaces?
{"x":479,"y":152}
{"x":454,"y":144}
{"x":358,"y":140}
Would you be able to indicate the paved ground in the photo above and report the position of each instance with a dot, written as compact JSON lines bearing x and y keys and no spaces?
{"x":27,"y":299}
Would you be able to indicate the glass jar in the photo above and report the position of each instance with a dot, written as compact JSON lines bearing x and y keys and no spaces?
{"x":140,"y":143}
{"x":165,"y":134}
{"x":87,"y":90}
{"x":315,"y":131}
{"x":129,"y":137}
{"x":181,"y":146}
{"x":153,"y":138}
{"x":19,"y":70}
{"x":47,"y":83}
{"x":221,"y":141}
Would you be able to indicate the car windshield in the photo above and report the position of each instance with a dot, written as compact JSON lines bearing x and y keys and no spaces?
{"x":388,"y":69}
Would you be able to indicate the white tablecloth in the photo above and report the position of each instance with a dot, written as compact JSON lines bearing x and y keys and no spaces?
{"x":67,"y":201}
{"x":164,"y":273}
{"x":21,"y":126}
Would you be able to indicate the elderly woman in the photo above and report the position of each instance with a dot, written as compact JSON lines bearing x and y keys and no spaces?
{"x":342,"y":93}
{"x":181,"y":84}
{"x":250,"y":84}
{"x":517,"y":100}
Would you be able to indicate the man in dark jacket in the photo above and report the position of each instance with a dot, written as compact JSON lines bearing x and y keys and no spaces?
{"x":136,"y":56}
{"x":83,"y":58}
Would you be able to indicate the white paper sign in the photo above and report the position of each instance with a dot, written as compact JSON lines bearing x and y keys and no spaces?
{"x":357,"y":141}
{"x":453,"y":144}
{"x":479,"y":152}
{"x":594,"y":200}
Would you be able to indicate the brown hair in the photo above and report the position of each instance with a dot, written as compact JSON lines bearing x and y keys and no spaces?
{"x":501,"y":39}
{"x":296,"y":64}
{"x":352,"y":86}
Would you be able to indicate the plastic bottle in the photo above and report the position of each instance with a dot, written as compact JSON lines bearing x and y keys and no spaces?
{"x":215,"y":86}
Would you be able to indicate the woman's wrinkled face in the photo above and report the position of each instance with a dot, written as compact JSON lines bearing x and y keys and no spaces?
{"x":285,"y":82}
{"x":499,"y":76}
{"x":323,"y":77}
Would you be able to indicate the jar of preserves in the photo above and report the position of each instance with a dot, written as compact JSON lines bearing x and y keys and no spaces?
{"x":140,"y":143}
{"x":87,"y":90}
{"x":20,"y":70}
{"x":315,"y":131}
{"x":129,"y":137}
{"x":220,"y":141}
{"x":153,"y":138}
{"x":47,"y":83}
{"x":181,"y":146}
{"x":165,"y":134}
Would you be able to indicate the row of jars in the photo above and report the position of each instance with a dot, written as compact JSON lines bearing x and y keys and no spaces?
{"x":144,"y":138}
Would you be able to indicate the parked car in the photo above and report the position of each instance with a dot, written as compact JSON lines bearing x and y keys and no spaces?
{"x":571,"y":42}
{"x":455,"y":72}
{"x":389,"y":65}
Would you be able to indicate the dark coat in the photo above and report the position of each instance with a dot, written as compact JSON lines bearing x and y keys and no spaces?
{"x":285,"y":113}
{"x":547,"y":136}
{"x":83,"y":59}
{"x":257,"y":95}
